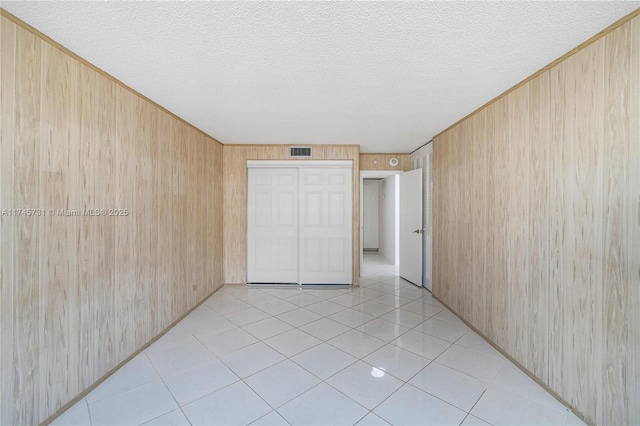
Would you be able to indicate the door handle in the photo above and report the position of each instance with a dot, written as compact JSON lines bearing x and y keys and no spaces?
{"x":418,"y":231}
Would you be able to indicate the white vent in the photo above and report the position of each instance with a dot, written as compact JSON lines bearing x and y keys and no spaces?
{"x":300,"y":152}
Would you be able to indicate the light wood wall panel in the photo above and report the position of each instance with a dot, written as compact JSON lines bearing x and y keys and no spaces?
{"x":98,"y":115}
{"x":632,"y":221}
{"x":617,"y":110}
{"x":536,"y":225}
{"x":82,"y":293}
{"x":366,"y":162}
{"x":7,"y":197}
{"x":26,"y":238}
{"x":539,"y":173}
{"x":235,"y":199}
{"x":59,"y":188}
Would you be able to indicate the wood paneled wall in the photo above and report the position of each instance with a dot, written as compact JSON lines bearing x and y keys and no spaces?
{"x":537,"y":225}
{"x":80,"y":293}
{"x":235,"y":200}
{"x":366,"y":162}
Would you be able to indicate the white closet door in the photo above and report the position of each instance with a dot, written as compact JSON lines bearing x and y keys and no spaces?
{"x":325,"y":226}
{"x":272,"y":226}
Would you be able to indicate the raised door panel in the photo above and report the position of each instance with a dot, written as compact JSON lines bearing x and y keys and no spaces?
{"x":272,"y":221}
{"x":326,"y":228}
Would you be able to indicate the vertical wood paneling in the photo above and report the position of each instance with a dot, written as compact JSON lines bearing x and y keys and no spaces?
{"x":500,"y":291}
{"x":215,"y":222}
{"x":201,"y":218}
{"x":7,"y":281}
{"x":632,"y":231}
{"x":85,"y":230}
{"x":477,"y":195}
{"x":26,"y":250}
{"x":616,"y":168}
{"x":518,"y":222}
{"x":440,"y":225}
{"x":208,"y":231}
{"x":235,"y":199}
{"x":462,"y":213}
{"x":146,"y":212}
{"x":126,"y":118}
{"x":189,"y":173}
{"x":549,"y":174}
{"x":81,"y":293}
{"x":180,"y":277}
{"x":60,"y":190}
{"x":448,"y":213}
{"x":165,"y":142}
{"x":439,"y":184}
{"x":556,"y":238}
{"x":538,"y":172}
{"x":583,"y":208}
{"x":98,"y":126}
{"x":235,"y":227}
{"x":488,"y":133}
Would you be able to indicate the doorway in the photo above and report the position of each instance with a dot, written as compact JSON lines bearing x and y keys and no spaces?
{"x":379,"y":221}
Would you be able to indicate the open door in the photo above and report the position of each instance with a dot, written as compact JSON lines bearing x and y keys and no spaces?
{"x":411,"y":226}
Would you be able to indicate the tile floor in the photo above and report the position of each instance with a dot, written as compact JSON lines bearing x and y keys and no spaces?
{"x":384,"y":353}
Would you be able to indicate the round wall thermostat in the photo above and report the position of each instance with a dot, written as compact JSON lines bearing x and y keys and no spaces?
{"x":393,"y":162}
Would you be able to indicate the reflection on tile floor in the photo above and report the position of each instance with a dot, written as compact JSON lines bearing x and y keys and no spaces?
{"x":383,"y":353}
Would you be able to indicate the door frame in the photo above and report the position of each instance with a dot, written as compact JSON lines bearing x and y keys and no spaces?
{"x":370,"y":174}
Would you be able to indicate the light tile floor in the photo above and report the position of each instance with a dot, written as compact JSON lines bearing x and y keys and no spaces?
{"x":384,"y":353}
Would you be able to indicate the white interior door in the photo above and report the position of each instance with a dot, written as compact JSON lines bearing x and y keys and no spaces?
{"x":272,"y":226}
{"x":326,"y":200}
{"x":411,"y":226}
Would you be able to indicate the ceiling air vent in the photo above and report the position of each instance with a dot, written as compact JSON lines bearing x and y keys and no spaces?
{"x":299,"y":152}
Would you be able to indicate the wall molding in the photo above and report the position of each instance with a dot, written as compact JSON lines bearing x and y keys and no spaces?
{"x":100,"y":71}
{"x":547,"y":67}
{"x":110,"y":373}
{"x":514,"y":362}
{"x":535,"y":225}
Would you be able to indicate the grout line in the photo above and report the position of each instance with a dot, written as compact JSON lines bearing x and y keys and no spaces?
{"x":326,"y":341}
{"x":474,"y":406}
{"x":168,"y":390}
{"x":86,"y":401}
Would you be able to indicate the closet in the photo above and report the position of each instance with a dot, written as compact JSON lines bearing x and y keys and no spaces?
{"x":299,"y":222}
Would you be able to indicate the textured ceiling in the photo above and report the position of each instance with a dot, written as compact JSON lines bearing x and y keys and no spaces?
{"x":385,"y":75}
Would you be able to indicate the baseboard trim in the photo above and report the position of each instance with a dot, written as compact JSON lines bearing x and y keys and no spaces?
{"x":517,"y":364}
{"x":98,"y":382}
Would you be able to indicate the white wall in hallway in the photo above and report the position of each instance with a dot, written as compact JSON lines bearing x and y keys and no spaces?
{"x":370,"y":214}
{"x":387,"y":218}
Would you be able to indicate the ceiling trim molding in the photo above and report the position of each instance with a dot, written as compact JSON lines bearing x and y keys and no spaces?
{"x":100,"y":71}
{"x":570,"y":53}
{"x":299,"y":164}
{"x":385,"y":153}
{"x":280,"y":145}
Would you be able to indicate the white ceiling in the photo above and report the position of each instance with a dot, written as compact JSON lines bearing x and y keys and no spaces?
{"x":385,"y":75}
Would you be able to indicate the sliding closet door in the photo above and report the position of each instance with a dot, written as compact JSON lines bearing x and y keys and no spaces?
{"x":272,"y":226}
{"x":325,"y":225}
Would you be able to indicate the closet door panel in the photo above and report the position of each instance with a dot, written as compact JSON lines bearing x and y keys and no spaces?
{"x":338,"y":254}
{"x":272,"y":221}
{"x":325,"y":231}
